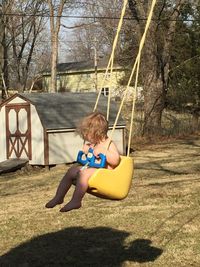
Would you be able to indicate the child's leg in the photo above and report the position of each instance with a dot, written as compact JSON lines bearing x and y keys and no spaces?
{"x":63,"y":187}
{"x":80,"y":190}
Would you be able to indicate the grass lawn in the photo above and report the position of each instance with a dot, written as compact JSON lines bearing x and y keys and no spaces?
{"x":158,"y":224}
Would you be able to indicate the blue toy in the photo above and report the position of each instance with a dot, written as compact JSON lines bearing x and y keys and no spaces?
{"x":90,"y":159}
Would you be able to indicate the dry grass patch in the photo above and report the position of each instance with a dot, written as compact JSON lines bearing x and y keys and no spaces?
{"x":156,"y":225}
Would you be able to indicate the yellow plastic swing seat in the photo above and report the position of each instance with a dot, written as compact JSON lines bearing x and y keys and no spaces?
{"x":112,"y":184}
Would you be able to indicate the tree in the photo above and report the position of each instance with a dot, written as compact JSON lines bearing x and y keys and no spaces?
{"x":95,"y":33}
{"x":56,"y":9}
{"x":1,"y":49}
{"x":54,"y":27}
{"x":184,"y":85}
{"x":4,"y":45}
{"x":156,"y":56}
{"x":22,"y":29}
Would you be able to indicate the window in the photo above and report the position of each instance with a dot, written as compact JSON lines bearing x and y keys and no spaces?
{"x":105,"y":91}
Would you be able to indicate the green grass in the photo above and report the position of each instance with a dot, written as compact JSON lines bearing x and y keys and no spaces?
{"x":156,"y":225}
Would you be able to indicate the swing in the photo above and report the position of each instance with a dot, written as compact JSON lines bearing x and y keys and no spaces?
{"x":115,"y":184}
{"x":112,"y":184}
{"x":105,"y":183}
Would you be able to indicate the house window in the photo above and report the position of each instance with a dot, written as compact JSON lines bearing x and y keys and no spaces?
{"x":105,"y":91}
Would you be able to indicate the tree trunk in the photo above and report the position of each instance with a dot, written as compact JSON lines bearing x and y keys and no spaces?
{"x":1,"y":54}
{"x":6,"y":55}
{"x":154,"y":103}
{"x":54,"y":27}
{"x":54,"y":58}
{"x":154,"y":87}
{"x":195,"y":120}
{"x":157,"y":58}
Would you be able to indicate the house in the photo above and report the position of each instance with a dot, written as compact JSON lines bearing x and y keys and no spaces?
{"x":40,"y":127}
{"x":79,"y":76}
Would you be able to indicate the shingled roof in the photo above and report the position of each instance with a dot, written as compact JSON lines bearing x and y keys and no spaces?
{"x":64,"y":110}
{"x":87,"y":65}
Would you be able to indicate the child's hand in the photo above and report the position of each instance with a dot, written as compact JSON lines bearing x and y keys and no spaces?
{"x":86,"y":148}
{"x":97,"y":151}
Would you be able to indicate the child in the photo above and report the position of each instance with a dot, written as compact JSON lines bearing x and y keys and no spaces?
{"x":93,"y":129}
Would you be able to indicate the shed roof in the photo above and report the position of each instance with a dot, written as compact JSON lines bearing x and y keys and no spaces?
{"x":64,"y":110}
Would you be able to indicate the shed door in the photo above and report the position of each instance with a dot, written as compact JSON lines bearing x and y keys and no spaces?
{"x":18,"y":131}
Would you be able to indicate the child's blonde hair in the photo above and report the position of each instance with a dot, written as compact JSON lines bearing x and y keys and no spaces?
{"x":94,"y":125}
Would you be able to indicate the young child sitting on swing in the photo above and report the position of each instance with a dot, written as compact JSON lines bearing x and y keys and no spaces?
{"x":93,"y":129}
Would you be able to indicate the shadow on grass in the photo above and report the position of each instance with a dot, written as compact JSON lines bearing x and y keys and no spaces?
{"x":78,"y":246}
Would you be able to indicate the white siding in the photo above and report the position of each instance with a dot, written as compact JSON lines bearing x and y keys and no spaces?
{"x":17,"y":100}
{"x":118,"y":139}
{"x":37,"y":139}
{"x":2,"y":135}
{"x":63,"y":147}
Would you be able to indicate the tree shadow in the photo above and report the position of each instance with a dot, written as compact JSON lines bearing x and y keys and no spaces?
{"x":78,"y":246}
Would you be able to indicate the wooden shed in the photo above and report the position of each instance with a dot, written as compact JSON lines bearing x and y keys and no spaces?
{"x":40,"y":127}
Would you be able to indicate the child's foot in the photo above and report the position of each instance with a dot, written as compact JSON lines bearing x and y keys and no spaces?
{"x":71,"y":206}
{"x":53,"y":202}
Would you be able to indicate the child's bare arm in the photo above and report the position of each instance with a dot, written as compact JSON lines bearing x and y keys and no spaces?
{"x":112,"y":154}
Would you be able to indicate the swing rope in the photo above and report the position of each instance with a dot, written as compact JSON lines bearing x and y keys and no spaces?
{"x":115,"y":184}
{"x":136,"y":64}
{"x":111,"y":61}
